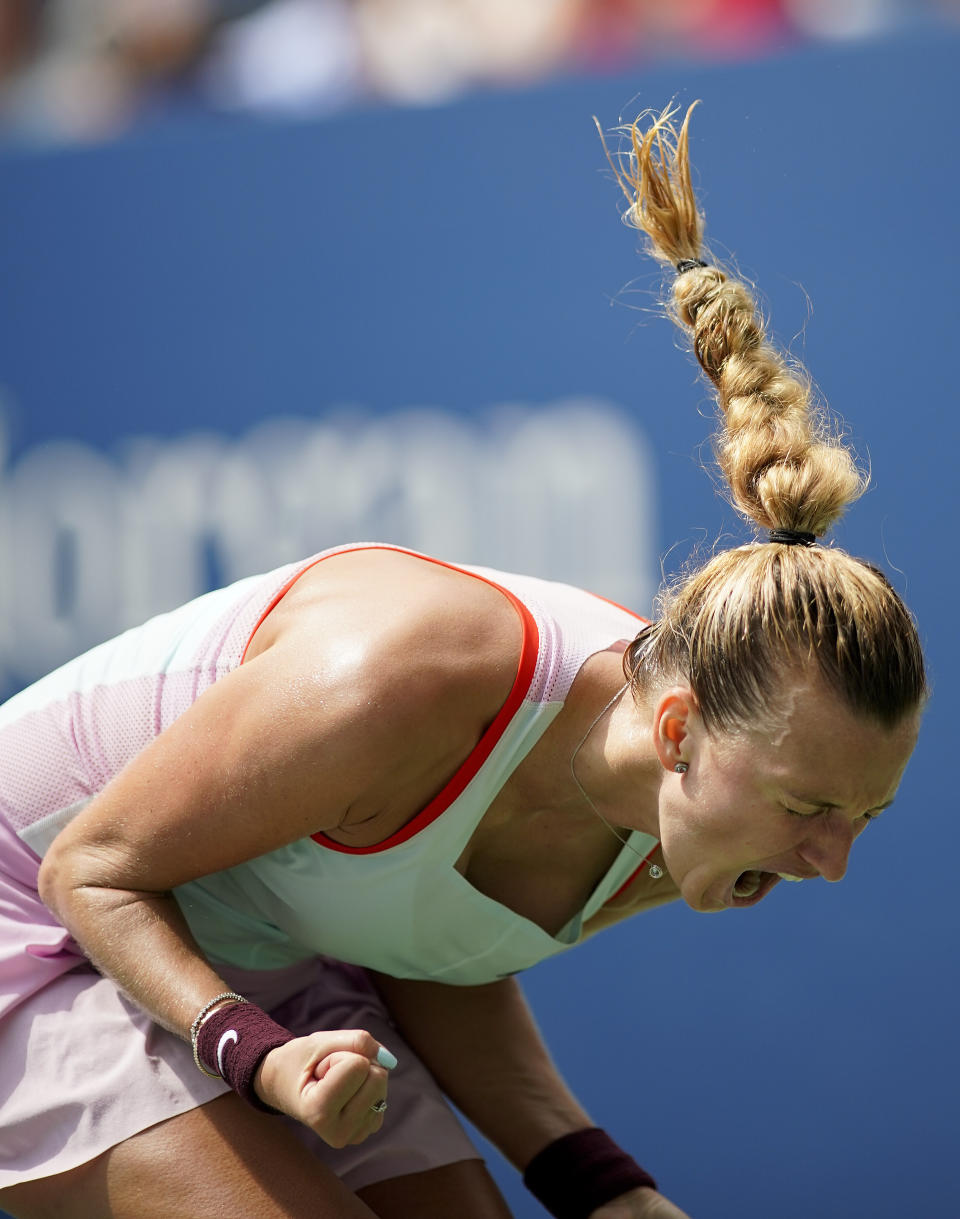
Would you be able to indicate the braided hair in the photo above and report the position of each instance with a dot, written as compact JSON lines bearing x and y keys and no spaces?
{"x":732,"y":627}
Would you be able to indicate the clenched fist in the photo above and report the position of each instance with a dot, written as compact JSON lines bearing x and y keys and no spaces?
{"x":335,"y":1083}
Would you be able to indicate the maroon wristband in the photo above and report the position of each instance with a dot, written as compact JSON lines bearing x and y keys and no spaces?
{"x":576,"y":1174}
{"x":232,"y":1043}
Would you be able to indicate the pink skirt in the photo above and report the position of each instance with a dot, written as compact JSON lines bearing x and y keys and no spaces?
{"x":82,"y":1068}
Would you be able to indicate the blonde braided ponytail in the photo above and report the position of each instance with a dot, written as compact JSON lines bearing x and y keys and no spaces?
{"x":784,"y":466}
{"x":733,"y":626}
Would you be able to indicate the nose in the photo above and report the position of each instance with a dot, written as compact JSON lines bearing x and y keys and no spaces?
{"x":828,"y":848}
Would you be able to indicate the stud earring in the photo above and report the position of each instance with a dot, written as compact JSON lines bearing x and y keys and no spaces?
{"x":681,"y":768}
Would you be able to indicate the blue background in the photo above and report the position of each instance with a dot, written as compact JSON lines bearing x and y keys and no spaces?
{"x":797,"y":1060}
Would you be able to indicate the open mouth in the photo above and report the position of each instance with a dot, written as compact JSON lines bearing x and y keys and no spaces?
{"x":753,"y":886}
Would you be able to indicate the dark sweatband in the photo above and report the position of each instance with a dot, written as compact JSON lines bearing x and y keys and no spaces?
{"x":232,"y":1043}
{"x":576,"y":1174}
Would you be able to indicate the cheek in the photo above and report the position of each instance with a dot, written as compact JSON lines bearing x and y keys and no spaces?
{"x":720,"y":823}
{"x":724,"y":817}
{"x":712,"y":827}
{"x":740,"y":834}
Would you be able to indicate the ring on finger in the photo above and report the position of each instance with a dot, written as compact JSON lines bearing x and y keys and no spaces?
{"x":380,"y":1106}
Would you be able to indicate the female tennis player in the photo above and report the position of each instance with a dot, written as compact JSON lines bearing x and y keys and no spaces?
{"x":270,"y":862}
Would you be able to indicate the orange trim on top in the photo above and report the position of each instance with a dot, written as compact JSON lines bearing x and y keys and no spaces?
{"x":279,"y":597}
{"x":529,"y":651}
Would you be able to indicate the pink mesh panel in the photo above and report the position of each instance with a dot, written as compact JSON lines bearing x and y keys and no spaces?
{"x":66,"y":752}
{"x":112,"y":724}
{"x":70,"y":750}
{"x":573,"y":624}
{"x":228,"y":637}
{"x":42,"y":770}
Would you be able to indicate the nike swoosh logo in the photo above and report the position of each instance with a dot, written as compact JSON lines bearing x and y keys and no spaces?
{"x":228,"y":1036}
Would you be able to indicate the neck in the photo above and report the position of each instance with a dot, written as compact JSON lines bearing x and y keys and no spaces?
{"x":612,"y":783}
{"x":614,"y":767}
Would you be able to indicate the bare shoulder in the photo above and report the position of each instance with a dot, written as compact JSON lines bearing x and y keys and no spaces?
{"x":388,"y":621}
{"x":353,"y":710}
{"x":410,"y":660}
{"x":400,"y":661}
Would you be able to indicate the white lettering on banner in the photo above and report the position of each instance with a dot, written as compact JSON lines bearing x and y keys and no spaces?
{"x":90,"y":545}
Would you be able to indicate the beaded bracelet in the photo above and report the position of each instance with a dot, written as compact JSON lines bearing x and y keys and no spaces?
{"x":579,"y":1172}
{"x":198,"y":1021}
{"x":232,"y":1042}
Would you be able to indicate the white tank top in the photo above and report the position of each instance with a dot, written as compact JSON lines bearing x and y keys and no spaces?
{"x":400,"y":907}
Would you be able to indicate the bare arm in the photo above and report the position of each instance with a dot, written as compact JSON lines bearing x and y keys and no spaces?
{"x":359,"y":715}
{"x":234,"y":777}
{"x":483,"y":1047}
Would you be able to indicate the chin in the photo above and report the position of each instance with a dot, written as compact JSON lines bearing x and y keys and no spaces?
{"x":701,"y":900}
{"x":707,"y":905}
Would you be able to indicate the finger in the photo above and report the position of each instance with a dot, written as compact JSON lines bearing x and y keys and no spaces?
{"x":346,"y":1106}
{"x":349,"y":1082}
{"x":365,"y":1112}
{"x":355,"y":1041}
{"x":365,"y":1108}
{"x":324,"y":1100}
{"x":340,"y":1077}
{"x":363,"y":1105}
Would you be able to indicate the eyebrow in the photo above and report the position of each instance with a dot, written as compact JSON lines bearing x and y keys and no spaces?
{"x":878,"y":808}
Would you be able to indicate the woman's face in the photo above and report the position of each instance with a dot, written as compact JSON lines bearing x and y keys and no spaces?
{"x":782,"y":800}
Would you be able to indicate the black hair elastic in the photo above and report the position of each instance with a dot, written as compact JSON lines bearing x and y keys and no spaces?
{"x":792,"y":537}
{"x":689,"y":264}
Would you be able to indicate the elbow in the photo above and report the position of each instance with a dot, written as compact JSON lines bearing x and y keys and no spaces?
{"x":47,"y":880}
{"x":52,"y":883}
{"x":77,"y":881}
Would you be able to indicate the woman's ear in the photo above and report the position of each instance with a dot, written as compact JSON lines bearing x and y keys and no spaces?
{"x":675,"y":709}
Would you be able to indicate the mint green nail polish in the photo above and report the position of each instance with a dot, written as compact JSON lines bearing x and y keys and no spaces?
{"x":385,"y":1058}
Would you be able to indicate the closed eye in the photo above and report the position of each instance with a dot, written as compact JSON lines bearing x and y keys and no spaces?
{"x":795,"y":812}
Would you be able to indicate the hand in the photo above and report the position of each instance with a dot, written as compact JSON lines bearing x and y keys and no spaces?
{"x":328,"y":1081}
{"x":640,"y":1203}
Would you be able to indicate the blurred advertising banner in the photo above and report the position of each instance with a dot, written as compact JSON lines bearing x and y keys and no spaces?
{"x":92,"y":543}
